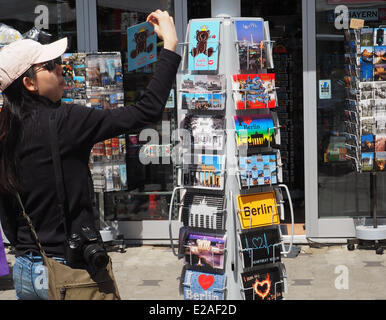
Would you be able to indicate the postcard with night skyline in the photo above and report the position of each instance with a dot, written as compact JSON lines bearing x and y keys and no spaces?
{"x":250,"y":31}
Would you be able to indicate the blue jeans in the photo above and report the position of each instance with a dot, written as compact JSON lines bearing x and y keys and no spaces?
{"x":30,"y":277}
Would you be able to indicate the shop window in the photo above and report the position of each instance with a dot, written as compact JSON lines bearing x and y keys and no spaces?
{"x":343,"y":192}
{"x":285,"y":22}
{"x":149,"y":186}
{"x":199,"y":9}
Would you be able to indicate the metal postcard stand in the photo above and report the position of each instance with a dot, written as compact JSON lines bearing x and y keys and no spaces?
{"x":228,"y":62}
{"x":373,"y":229}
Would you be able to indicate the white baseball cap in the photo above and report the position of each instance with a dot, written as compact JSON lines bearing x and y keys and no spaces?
{"x":17,"y":57}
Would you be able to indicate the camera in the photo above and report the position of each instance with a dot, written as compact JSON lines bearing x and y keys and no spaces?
{"x":85,"y":247}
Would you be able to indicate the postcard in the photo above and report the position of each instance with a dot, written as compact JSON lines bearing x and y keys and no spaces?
{"x":367,"y":126}
{"x":258,"y":170}
{"x":198,"y":285}
{"x":367,"y":37}
{"x":205,"y":250}
{"x":263,"y":283}
{"x":366,"y":90}
{"x":367,"y":70}
{"x":380,"y":161}
{"x":379,"y":55}
{"x":260,"y":246}
{"x":206,"y":171}
{"x":258,"y":210}
{"x":202,"y":210}
{"x":142,"y":45}
{"x":109,"y":183}
{"x":380,"y":72}
{"x":255,"y":130}
{"x":123,"y":175}
{"x":207,"y":132}
{"x":202,"y":83}
{"x":380,"y":109}
{"x":380,"y":143}
{"x":380,"y":90}
{"x":203,"y":101}
{"x":367,"y":162}
{"x":171,"y":101}
{"x":252,"y":48}
{"x":254,"y":91}
{"x":104,"y":71}
{"x":380,"y":126}
{"x":368,"y":144}
{"x":203,"y":45}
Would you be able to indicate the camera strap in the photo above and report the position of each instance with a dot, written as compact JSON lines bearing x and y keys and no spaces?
{"x":59,"y":178}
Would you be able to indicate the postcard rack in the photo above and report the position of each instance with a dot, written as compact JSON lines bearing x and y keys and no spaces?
{"x":366,"y":119}
{"x":244,"y":252}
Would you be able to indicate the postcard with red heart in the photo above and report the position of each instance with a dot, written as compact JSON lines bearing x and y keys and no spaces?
{"x":263,"y":283}
{"x":203,"y":286}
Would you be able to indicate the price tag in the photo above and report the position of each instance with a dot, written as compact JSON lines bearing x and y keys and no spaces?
{"x":357,"y":23}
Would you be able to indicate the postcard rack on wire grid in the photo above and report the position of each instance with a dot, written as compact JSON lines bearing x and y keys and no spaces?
{"x":202,"y":97}
{"x":365,"y":110}
{"x":260,"y":202}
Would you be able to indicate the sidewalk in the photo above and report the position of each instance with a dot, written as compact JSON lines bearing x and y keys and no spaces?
{"x":152,"y":273}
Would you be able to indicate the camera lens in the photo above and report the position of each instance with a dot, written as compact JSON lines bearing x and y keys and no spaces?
{"x":96,"y":256}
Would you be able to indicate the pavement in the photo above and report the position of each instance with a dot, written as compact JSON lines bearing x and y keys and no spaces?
{"x":326,"y":272}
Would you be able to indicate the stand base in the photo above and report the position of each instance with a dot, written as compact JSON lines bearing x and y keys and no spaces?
{"x":371,"y":233}
{"x":376,"y":245}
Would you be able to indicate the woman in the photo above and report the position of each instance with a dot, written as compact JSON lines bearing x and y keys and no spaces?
{"x":32,"y":86}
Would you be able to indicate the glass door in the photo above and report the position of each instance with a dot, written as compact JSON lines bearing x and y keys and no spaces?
{"x":337,"y":193}
{"x":142,"y":211}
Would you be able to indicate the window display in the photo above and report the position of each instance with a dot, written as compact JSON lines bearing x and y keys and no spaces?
{"x":122,"y":28}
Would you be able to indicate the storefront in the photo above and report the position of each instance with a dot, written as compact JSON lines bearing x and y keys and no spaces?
{"x":309,"y":49}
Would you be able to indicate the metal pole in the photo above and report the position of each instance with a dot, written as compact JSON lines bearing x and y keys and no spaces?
{"x":373,"y":197}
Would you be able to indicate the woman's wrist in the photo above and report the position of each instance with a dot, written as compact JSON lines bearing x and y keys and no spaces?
{"x":170,"y":45}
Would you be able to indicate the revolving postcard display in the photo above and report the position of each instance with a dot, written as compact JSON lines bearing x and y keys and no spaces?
{"x":230,"y":199}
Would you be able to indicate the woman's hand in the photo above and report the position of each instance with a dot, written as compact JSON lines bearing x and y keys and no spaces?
{"x":164,"y":27}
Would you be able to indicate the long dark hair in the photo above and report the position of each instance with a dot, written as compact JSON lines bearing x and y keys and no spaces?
{"x":16,"y":107}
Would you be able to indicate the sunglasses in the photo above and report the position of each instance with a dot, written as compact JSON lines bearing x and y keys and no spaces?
{"x":50,"y":65}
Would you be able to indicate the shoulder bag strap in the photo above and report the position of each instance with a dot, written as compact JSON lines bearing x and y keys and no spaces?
{"x":59,"y":182}
{"x":33,"y":231}
{"x":58,"y":169}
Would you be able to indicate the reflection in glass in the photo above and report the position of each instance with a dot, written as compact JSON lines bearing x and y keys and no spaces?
{"x":342,"y":191}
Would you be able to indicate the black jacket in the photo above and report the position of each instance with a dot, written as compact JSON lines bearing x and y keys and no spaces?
{"x":79,"y":128}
